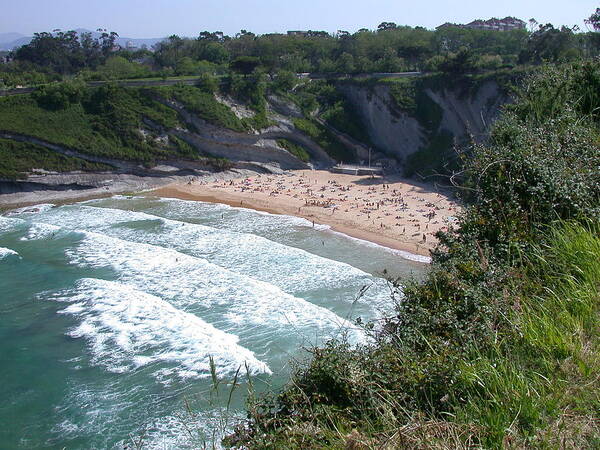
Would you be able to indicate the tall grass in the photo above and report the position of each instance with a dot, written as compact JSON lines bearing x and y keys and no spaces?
{"x":532,"y":377}
{"x":535,"y":385}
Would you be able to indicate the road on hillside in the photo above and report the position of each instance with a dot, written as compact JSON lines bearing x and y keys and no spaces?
{"x":192,"y":81}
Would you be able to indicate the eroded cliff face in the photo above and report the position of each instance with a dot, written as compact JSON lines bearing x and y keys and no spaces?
{"x":458,"y":113}
{"x":437,"y":116}
{"x":394,"y":132}
{"x":260,"y":146}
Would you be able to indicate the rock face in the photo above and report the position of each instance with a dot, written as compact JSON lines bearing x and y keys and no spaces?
{"x":223,"y":143}
{"x":440,"y":115}
{"x":470,"y":114}
{"x":399,"y":133}
{"x":394,"y":132}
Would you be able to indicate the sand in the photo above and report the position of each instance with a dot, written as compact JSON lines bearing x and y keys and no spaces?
{"x":391,"y":211}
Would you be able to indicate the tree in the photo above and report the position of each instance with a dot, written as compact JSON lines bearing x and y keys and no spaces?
{"x":550,"y":44}
{"x":215,"y":53}
{"x":118,"y":67}
{"x":59,"y":96}
{"x":107,"y":41}
{"x":594,"y":20}
{"x":345,"y":63}
{"x":285,"y":80}
{"x":384,"y":26}
{"x":245,"y":64}
{"x":208,"y":83}
{"x":461,"y":62}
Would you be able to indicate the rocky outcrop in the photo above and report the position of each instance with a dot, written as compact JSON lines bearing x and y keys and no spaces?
{"x":240,"y":152}
{"x":399,"y":134}
{"x":223,"y":143}
{"x":283,"y":107}
{"x":469,"y":114}
{"x":391,"y":131}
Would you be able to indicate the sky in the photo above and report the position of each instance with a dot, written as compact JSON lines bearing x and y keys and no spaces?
{"x":159,"y":18}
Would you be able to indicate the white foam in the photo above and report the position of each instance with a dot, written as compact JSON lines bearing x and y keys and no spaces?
{"x":40,"y":231}
{"x":302,"y":222}
{"x":291,"y":269}
{"x":404,"y":254}
{"x":35,"y":209}
{"x":127,"y":329}
{"x":189,"y":430}
{"x":6,"y":252}
{"x":282,"y":219}
{"x":186,"y":281}
{"x":9,"y":223}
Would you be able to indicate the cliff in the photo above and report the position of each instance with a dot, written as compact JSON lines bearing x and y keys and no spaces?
{"x":418,"y":124}
{"x":409,"y":124}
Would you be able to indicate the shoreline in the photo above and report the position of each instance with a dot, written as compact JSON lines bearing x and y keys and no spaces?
{"x":254,"y":193}
{"x":104,"y":185}
{"x":343,"y":203}
{"x":368,"y":237}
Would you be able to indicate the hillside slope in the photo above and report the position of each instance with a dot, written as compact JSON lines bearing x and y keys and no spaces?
{"x":408,"y":124}
{"x":499,"y":347}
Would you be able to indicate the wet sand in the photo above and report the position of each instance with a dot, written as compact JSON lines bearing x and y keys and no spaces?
{"x":391,"y":211}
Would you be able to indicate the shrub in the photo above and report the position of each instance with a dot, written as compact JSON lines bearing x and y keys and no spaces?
{"x":208,"y":83}
{"x":59,"y":95}
{"x":493,"y":347}
{"x":284,"y":81}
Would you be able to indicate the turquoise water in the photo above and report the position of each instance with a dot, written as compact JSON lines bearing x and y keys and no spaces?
{"x":112,"y":311}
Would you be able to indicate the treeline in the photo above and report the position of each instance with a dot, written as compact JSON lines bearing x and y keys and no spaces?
{"x":390,"y":48}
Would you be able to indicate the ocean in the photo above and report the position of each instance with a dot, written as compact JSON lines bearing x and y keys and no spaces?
{"x":118,"y":315}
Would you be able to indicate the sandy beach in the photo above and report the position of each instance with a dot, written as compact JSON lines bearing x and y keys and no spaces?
{"x":391,"y":211}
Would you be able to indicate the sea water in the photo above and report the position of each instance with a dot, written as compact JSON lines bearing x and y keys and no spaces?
{"x":140,"y":321}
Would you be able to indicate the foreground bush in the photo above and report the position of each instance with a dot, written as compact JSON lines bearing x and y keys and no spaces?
{"x":500,"y":345}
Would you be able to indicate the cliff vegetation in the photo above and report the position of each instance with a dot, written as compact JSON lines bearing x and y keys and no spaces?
{"x":500,"y":345}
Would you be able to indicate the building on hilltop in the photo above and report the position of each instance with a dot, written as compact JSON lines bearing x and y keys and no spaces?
{"x":506,"y":24}
{"x":297,"y":33}
{"x":309,"y":33}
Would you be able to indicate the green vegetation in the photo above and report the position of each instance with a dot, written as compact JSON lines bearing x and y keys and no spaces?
{"x":410,"y":97}
{"x":500,"y":345}
{"x":295,"y":149}
{"x":107,"y":121}
{"x":250,"y":89}
{"x":332,"y":106}
{"x":17,"y":159}
{"x":325,"y":138}
{"x":204,"y":104}
{"x":389,"y":48}
{"x":436,"y":158}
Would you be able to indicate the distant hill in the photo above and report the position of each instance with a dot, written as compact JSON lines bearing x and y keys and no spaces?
{"x":10,"y":41}
{"x":9,"y":37}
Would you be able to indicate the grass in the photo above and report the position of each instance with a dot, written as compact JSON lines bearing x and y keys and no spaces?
{"x":295,"y":149}
{"x":17,"y":159}
{"x":325,"y":138}
{"x":204,"y":105}
{"x":69,"y":126}
{"x":259,"y":121}
{"x":535,"y":386}
{"x":545,"y":372}
{"x":106,"y":122}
